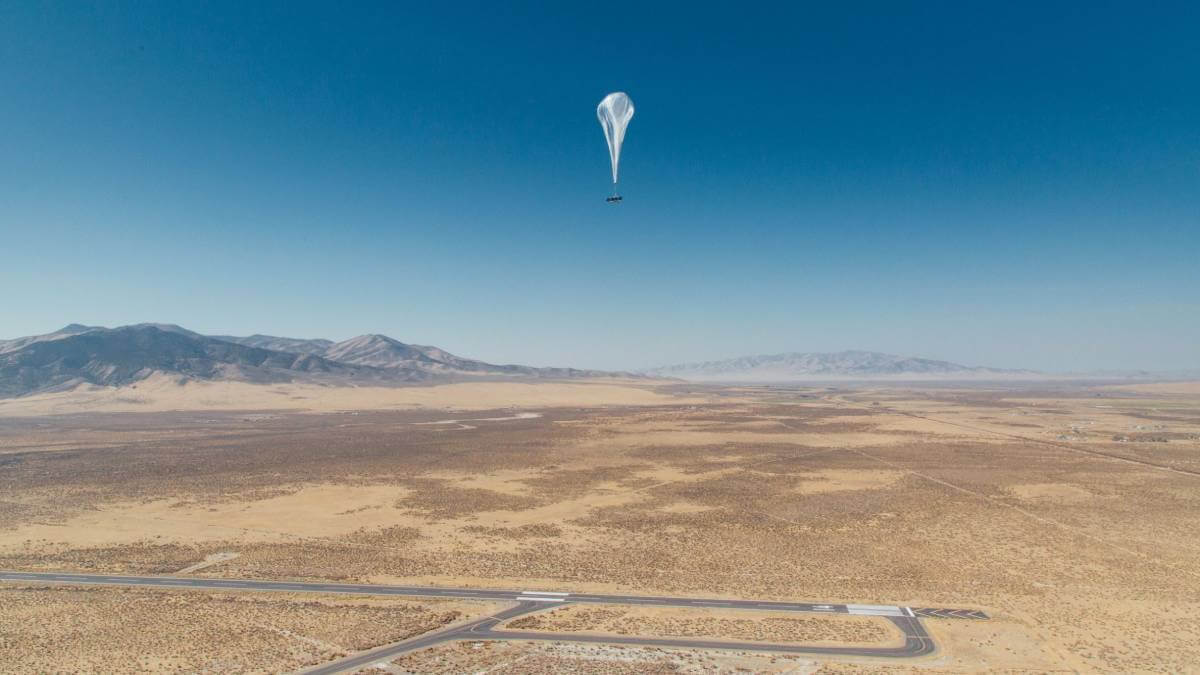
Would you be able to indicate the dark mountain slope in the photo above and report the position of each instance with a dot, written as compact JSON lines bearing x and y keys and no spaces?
{"x":123,"y":355}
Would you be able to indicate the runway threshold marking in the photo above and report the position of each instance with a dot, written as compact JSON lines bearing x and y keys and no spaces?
{"x":943,"y":613}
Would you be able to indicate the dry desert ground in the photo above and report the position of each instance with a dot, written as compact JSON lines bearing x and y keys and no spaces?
{"x":1070,"y":514}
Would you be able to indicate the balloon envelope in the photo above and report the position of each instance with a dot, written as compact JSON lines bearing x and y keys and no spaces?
{"x":614,"y":112}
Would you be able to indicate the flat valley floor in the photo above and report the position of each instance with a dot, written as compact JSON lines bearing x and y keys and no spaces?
{"x":1069,"y":514}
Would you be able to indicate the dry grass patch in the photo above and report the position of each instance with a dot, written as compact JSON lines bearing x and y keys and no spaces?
{"x":578,"y":501}
{"x":90,"y":629}
{"x":443,"y":499}
{"x":841,"y":480}
{"x":162,"y":393}
{"x":1055,"y":492}
{"x":301,"y":511}
{"x":682,"y":622}
{"x":542,"y":658}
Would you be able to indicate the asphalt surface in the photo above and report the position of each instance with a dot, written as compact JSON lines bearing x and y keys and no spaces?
{"x":476,"y":594}
{"x":478,"y":629}
{"x":917,"y":641}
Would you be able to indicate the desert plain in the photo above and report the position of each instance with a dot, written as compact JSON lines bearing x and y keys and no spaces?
{"x":1068,"y":512}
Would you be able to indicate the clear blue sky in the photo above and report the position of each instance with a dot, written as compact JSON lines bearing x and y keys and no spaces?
{"x":1009,"y":184}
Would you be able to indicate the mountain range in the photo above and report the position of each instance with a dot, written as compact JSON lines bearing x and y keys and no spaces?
{"x":78,"y":354}
{"x":97,"y":355}
{"x":794,"y":366}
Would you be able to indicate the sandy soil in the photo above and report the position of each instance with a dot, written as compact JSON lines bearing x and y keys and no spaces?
{"x":1059,"y":492}
{"x":682,"y":622}
{"x":1069,"y":515}
{"x":304,"y":511}
{"x":162,"y":393}
{"x":107,"y":630}
{"x":522,"y":658}
{"x":1189,"y":388}
{"x":840,"y":480}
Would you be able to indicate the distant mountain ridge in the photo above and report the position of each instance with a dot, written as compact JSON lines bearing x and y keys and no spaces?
{"x":78,"y":354}
{"x":829,"y":365}
{"x":381,"y":351}
{"x":72,"y":329}
{"x":280,"y":344}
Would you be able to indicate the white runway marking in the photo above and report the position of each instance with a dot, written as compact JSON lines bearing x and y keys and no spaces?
{"x":874,"y":610}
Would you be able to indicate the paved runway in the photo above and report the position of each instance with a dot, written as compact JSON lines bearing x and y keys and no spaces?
{"x":479,"y":594}
{"x":917,"y":641}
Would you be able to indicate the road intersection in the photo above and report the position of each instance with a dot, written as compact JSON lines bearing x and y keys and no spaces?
{"x":917,"y":642}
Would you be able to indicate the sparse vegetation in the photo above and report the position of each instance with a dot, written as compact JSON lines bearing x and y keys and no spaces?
{"x":689,"y":623}
{"x":91,"y":629}
{"x":932,"y":498}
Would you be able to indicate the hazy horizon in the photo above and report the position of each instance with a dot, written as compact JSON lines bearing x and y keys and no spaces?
{"x":734,"y":357}
{"x":988,"y":186}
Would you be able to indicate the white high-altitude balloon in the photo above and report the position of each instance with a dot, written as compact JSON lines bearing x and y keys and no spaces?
{"x":614,"y":112}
